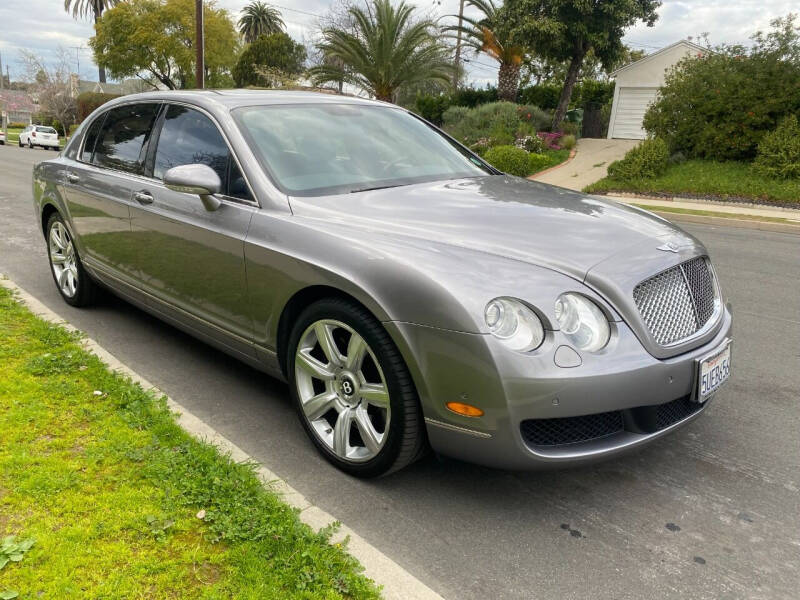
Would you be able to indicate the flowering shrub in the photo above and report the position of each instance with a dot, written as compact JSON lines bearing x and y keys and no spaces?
{"x":531,"y":143}
{"x":551,"y":139}
{"x":500,"y":121}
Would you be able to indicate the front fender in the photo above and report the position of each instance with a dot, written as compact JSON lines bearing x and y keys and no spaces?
{"x":398,"y":278}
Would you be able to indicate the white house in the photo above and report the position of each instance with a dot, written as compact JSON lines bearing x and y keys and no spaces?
{"x":637,"y":84}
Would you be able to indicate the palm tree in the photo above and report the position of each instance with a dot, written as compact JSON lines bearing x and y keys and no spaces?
{"x":483,"y":35}
{"x":259,"y":18}
{"x":86,"y":8}
{"x":386,"y":51}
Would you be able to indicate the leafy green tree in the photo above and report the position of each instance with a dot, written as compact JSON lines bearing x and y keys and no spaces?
{"x":269,"y":55}
{"x":157,"y":37}
{"x":484,"y":34}
{"x":567,"y":30}
{"x":259,"y":18}
{"x":386,"y":51}
{"x":93,"y":8}
{"x":720,"y":105}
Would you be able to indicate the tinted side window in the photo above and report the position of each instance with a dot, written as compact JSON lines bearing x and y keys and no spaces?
{"x":124,"y":132}
{"x":91,"y":138}
{"x":188,"y":137}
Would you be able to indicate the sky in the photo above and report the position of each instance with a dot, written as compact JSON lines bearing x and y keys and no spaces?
{"x":43,"y":26}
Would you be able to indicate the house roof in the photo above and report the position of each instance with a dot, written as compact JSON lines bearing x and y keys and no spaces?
{"x":17,"y":101}
{"x":690,"y":45}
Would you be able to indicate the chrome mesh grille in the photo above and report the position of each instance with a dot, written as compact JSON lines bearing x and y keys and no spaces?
{"x":677,"y":302}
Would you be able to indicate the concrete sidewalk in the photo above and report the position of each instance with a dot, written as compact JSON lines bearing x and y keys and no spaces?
{"x":771,"y":212}
{"x":589,"y":165}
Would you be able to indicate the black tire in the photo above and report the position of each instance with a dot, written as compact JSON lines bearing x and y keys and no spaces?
{"x":30,"y":144}
{"x":406,"y":440}
{"x":86,"y":290}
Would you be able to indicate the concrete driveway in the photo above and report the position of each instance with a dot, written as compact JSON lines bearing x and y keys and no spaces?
{"x":711,"y":512}
{"x":590,"y":163}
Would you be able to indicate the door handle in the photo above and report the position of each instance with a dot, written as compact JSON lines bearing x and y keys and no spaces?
{"x":143,"y":197}
{"x":72,"y":178}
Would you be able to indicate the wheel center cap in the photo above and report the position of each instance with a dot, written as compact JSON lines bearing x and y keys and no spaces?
{"x":347,"y":387}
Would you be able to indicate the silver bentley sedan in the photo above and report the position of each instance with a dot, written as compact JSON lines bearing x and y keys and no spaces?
{"x":411,"y":295}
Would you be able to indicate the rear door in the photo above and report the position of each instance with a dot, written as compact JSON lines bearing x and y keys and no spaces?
{"x":100,"y":182}
{"x":191,"y":260}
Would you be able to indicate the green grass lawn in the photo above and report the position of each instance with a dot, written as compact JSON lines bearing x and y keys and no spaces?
{"x":717,"y":180}
{"x":107,"y":497}
{"x":556,"y":158}
{"x":13,"y":135}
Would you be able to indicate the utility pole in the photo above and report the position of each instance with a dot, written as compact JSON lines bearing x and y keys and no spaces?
{"x":458,"y":45}
{"x":3,"y":111}
{"x":200,"y":69}
{"x":78,"y":59}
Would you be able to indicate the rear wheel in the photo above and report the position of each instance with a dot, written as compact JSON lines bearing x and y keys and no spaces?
{"x":352,"y":390}
{"x":30,"y":143}
{"x":72,"y":280}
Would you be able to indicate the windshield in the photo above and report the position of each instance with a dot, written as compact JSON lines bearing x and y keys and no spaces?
{"x":318,"y":149}
{"x":45,"y":130}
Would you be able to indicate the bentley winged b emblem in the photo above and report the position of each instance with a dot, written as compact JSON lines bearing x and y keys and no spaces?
{"x":669,"y":247}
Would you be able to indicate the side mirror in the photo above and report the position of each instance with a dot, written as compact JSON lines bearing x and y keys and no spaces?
{"x":195,"y":179}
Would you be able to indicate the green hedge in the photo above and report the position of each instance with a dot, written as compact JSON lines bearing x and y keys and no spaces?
{"x":509,"y":159}
{"x":721,"y":105}
{"x":648,"y":159}
{"x":87,"y":102}
{"x":544,"y":96}
{"x":779,"y":151}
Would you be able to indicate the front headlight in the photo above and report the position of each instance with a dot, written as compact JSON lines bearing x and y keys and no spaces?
{"x":582,"y":322}
{"x":514,"y":324}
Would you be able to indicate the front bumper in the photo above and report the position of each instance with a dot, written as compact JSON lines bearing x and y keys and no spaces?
{"x":632,"y":397}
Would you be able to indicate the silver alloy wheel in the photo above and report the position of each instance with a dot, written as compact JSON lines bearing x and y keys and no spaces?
{"x":62,"y":259}
{"x":344,"y":396}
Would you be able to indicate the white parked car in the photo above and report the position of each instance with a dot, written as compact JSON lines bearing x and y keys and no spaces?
{"x":2,"y":138}
{"x":39,"y":135}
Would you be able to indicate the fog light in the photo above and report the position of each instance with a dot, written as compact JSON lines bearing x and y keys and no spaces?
{"x":464,"y":409}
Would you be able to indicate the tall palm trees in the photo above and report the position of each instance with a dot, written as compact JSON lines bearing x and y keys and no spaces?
{"x":86,"y":8}
{"x":259,"y":18}
{"x":387,"y":50}
{"x":485,"y":35}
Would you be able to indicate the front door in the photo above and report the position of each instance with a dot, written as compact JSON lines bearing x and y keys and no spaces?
{"x":191,"y":260}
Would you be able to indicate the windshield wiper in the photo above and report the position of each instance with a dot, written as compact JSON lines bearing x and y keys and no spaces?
{"x":377,"y":187}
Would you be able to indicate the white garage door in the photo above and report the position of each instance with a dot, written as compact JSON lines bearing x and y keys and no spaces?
{"x":631,"y":106}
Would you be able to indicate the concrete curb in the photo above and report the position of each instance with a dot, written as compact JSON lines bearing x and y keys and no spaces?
{"x":728,"y":222}
{"x":398,"y":584}
{"x":694,"y":200}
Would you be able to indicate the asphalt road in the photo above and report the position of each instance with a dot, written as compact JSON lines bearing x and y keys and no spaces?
{"x":712,"y":511}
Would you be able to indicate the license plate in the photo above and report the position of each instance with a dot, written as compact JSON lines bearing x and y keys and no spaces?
{"x":713,"y":371}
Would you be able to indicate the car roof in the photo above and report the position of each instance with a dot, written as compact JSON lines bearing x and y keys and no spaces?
{"x":235,"y":98}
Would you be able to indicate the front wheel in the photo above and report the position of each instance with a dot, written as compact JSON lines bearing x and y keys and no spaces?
{"x":72,"y":280}
{"x":352,"y":390}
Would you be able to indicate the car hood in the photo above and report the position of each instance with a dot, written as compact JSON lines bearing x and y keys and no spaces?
{"x":507,"y":216}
